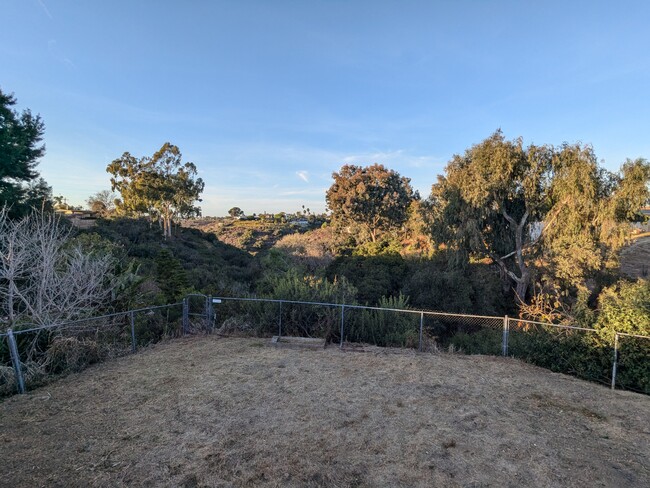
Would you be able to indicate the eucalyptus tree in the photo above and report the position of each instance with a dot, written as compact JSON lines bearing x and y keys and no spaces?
{"x":591,"y":209}
{"x":160,"y":186}
{"x":534,"y":207}
{"x":488,"y":202}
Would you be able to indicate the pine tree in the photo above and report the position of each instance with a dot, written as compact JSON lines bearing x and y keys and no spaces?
{"x":20,"y":136}
{"x":171,"y":276}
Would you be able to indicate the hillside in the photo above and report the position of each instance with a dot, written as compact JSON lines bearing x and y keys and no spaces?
{"x":209,"y":263}
{"x":251,"y":236}
{"x":208,"y":411}
{"x":635,"y":258}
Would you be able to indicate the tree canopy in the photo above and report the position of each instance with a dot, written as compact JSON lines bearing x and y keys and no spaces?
{"x":375,"y":198}
{"x":535,"y":206}
{"x":487,"y":201}
{"x":235,"y":212}
{"x":161,"y":186}
{"x":20,"y":149}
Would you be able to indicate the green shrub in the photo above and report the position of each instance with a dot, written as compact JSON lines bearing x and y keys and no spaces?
{"x":373,"y":276}
{"x":297,"y":319}
{"x":384,"y":327}
{"x":625,"y":307}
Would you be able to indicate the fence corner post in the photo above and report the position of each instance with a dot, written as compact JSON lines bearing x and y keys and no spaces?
{"x":342,"y":325}
{"x":504,"y":340}
{"x":421,"y":327}
{"x":15,"y":359}
{"x":615,"y":363}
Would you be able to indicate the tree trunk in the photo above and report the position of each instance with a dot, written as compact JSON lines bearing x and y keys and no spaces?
{"x":523,"y":279}
{"x":167,"y":230}
{"x":522,"y":287}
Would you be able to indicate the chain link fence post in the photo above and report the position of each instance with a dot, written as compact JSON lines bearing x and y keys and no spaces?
{"x":208,"y":312}
{"x":15,"y":359}
{"x":213,"y":323}
{"x":614,"y":365}
{"x":342,"y":324}
{"x":185,"y":320}
{"x":504,"y":341}
{"x":133,"y":343}
{"x":280,"y":322}
{"x":421,"y":327}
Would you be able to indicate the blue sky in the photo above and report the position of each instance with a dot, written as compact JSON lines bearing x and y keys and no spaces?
{"x":269,"y":98}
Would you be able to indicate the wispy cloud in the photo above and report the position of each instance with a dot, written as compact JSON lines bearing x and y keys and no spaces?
{"x":303,"y":175}
{"x":58,"y":55}
{"x":44,"y":7}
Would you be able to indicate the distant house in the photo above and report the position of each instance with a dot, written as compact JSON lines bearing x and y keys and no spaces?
{"x":82,"y":219}
{"x":300,"y":222}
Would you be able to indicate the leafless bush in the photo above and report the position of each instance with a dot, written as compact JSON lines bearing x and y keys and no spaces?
{"x":236,"y":325}
{"x":7,"y":380}
{"x":70,"y":354}
{"x":45,"y":279}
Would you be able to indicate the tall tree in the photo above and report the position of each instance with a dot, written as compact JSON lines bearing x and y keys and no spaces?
{"x":20,"y":148}
{"x":553,"y":208}
{"x":373,"y":197}
{"x":591,"y":209}
{"x":161,"y":186}
{"x":488,"y":200}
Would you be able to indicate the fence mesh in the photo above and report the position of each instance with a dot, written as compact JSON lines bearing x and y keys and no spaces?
{"x":633,"y":364}
{"x":563,"y":349}
{"x":384,"y":328}
{"x":571,"y":350}
{"x":469,"y":334}
{"x":52,"y":351}
{"x":47,"y":352}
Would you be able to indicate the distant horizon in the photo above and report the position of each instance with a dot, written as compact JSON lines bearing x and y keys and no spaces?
{"x":269,"y":99}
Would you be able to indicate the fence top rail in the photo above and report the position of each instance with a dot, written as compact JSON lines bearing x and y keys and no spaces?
{"x":116,"y":314}
{"x":512,"y":319}
{"x":633,"y":335}
{"x":363,"y":307}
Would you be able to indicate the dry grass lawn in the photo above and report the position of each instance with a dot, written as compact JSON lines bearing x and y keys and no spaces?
{"x":208,"y":411}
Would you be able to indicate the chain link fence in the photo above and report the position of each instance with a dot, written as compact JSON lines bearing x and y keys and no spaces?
{"x":30,"y":357}
{"x":34,"y":356}
{"x":578,"y":351}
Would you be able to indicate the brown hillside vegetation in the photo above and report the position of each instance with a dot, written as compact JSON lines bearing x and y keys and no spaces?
{"x":635,"y":258}
{"x":234,"y":412}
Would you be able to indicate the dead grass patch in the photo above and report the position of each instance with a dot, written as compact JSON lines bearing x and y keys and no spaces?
{"x":210,"y":411}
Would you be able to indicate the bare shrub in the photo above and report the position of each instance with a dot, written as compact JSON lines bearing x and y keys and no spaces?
{"x":236,"y":325}
{"x":7,"y":380}
{"x":70,"y":354}
{"x":45,"y":278}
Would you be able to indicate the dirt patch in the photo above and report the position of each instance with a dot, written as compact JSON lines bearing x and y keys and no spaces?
{"x":232,"y":412}
{"x":635,"y":258}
